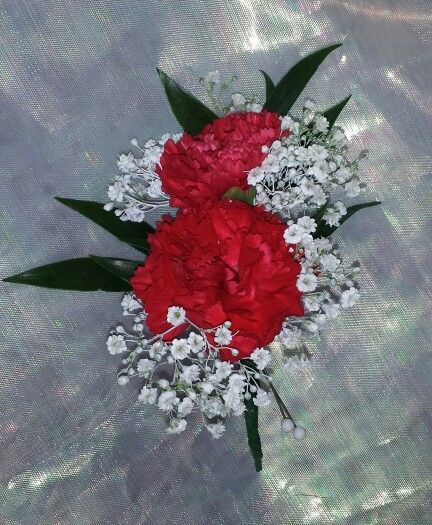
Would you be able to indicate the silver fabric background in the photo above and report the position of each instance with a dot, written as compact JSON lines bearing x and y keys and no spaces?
{"x":77,"y":81}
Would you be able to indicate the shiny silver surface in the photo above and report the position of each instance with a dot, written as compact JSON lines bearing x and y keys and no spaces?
{"x":77,"y":81}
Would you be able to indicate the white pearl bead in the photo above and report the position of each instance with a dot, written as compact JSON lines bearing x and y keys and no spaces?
{"x":299,"y":433}
{"x":287,"y":425}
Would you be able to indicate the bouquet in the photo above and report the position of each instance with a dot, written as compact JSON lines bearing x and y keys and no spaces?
{"x":242,"y":266}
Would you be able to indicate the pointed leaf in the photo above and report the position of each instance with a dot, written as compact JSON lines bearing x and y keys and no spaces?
{"x":122,"y":268}
{"x":133,"y":233}
{"x":268,"y":83}
{"x":236,"y":193}
{"x":72,"y":274}
{"x":251,"y":418}
{"x":286,"y":92}
{"x":191,"y":113}
{"x":324,"y":230}
{"x":333,"y":113}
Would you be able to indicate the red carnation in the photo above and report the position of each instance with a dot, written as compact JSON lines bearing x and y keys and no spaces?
{"x":228,"y":262}
{"x":197,"y":170}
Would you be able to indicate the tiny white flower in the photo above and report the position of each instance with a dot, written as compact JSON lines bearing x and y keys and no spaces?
{"x":318,"y":196}
{"x":130,"y":303}
{"x":238,"y":99}
{"x":116,"y":344}
{"x":352,"y":188}
{"x":311,"y":303}
{"x":145,"y":366}
{"x":213,"y":407}
{"x":293,"y":234}
{"x":255,"y":176}
{"x":237,"y":382}
{"x":321,"y":124}
{"x":155,"y":189}
{"x":307,"y":186}
{"x":176,"y":426}
{"x":223,"y":369}
{"x":307,"y":224}
{"x":185,"y":407}
{"x":340,"y":208}
{"x":190,"y":374}
{"x":167,"y":400}
{"x":196,"y":342}
{"x":295,"y":363}
{"x":307,"y":282}
{"x":148,"y":395}
{"x":262,"y":398}
{"x":116,"y":192}
{"x":309,"y":104}
{"x":176,"y":315}
{"x":157,"y":349}
{"x":179,"y":349}
{"x":261,"y":357}
{"x":223,"y":336}
{"x":254,"y":107}
{"x":233,"y":401}
{"x":286,"y":122}
{"x":207,"y":387}
{"x":216,"y":429}
{"x":349,"y":297}
{"x":332,"y":310}
{"x":126,"y":163}
{"x":338,"y":137}
{"x":332,"y":216}
{"x":212,"y":77}
{"x":329,"y":263}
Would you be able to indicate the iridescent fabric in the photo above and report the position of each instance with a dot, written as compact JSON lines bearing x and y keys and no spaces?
{"x":78,"y":81}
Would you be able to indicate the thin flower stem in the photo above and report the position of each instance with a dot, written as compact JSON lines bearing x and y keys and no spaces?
{"x":282,"y":407}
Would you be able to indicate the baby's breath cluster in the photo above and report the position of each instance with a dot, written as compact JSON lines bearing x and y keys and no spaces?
{"x":304,"y":166}
{"x":328,"y":285}
{"x":185,"y":374}
{"x":218,"y":89}
{"x":137,"y":190}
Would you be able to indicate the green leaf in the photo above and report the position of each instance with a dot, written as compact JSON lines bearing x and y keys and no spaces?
{"x":82,"y":274}
{"x":320,"y":213}
{"x":333,"y":113}
{"x":122,"y":268}
{"x":236,"y":193}
{"x":268,"y":83}
{"x":287,"y":91}
{"x":251,"y":418}
{"x":324,"y":230}
{"x":191,"y":113}
{"x":133,"y":233}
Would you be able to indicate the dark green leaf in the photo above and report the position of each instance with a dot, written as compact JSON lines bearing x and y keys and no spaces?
{"x":73,"y":274}
{"x":191,"y":113}
{"x":324,"y":230}
{"x":238,"y":194}
{"x":122,"y":268}
{"x":133,"y":233}
{"x":286,"y":92}
{"x":320,"y":213}
{"x":268,"y":83}
{"x":333,"y":113}
{"x":251,"y":418}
